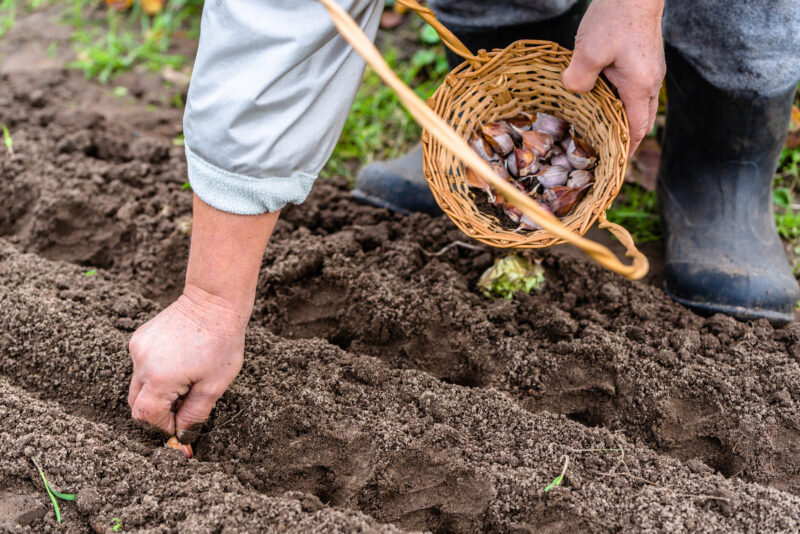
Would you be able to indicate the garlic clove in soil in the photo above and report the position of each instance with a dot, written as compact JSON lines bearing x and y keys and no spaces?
{"x":173,"y":443}
{"x":499,"y":137}
{"x":553,"y":126}
{"x":579,"y":154}
{"x":562,"y":199}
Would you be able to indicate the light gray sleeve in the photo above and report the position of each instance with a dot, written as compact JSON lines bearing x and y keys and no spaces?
{"x":272,"y":85}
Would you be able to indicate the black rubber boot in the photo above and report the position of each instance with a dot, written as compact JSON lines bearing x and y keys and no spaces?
{"x":718,"y":162}
{"x":400,"y":185}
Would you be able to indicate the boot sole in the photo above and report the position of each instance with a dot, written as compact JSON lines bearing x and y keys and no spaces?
{"x":739,"y":312}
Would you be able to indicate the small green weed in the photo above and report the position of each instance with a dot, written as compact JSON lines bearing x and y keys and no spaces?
{"x":7,"y":139}
{"x":116,"y":524}
{"x":126,"y":39}
{"x":53,"y":493}
{"x":510,"y":275}
{"x":186,"y":186}
{"x":90,"y":272}
{"x":8,"y":13}
{"x":637,"y":210}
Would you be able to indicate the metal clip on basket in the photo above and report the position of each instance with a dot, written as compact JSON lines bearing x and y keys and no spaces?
{"x":526,"y":76}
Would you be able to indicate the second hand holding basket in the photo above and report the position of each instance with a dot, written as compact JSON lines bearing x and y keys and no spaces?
{"x":524,"y":76}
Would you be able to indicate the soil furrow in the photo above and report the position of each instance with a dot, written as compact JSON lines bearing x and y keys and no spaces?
{"x":399,"y":445}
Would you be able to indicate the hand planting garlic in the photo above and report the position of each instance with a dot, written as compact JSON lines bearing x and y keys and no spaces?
{"x":542,"y":156}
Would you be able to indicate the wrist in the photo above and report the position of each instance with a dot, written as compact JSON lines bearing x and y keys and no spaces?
{"x":220,"y":314}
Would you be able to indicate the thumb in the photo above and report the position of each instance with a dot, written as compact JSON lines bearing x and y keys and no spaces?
{"x":193,"y":413}
{"x":582,"y":72}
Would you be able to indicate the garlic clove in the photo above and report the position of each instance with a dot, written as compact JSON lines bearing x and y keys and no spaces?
{"x":539,"y":142}
{"x":552,"y":176}
{"x":186,"y":449}
{"x":521,"y":121}
{"x":579,"y":178}
{"x":500,"y":170}
{"x":579,"y":154}
{"x":561,"y":160}
{"x":482,"y":148}
{"x":563,"y":199}
{"x":511,"y":163}
{"x":527,"y":164}
{"x":512,"y":213}
{"x":499,"y":135}
{"x":555,"y":127}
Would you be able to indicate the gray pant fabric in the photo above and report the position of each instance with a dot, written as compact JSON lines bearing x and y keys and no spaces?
{"x":481,"y":14}
{"x":737,"y":45}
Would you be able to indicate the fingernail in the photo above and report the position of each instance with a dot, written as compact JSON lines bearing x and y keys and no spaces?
{"x":190,"y":435}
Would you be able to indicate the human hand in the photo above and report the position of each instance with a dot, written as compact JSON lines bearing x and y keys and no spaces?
{"x":185,"y":357}
{"x":622,"y":39}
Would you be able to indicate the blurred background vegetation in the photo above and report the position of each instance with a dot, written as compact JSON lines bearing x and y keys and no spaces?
{"x":111,"y":37}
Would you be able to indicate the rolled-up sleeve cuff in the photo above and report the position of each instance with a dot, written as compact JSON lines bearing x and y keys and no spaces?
{"x":245,"y":195}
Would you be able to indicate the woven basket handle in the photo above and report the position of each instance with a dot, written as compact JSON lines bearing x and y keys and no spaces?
{"x":437,"y":127}
{"x":448,"y":38}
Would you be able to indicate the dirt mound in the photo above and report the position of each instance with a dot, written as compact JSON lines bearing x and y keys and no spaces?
{"x":379,"y":389}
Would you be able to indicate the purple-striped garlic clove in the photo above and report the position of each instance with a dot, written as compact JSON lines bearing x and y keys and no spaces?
{"x":511,"y":164}
{"x":579,"y":178}
{"x":521,"y":121}
{"x":539,"y":142}
{"x":482,"y":148}
{"x":555,"y":127}
{"x":526,"y":162}
{"x":579,"y":154}
{"x":552,"y":176}
{"x":499,"y":135}
{"x":563,"y":199}
{"x":561,"y":160}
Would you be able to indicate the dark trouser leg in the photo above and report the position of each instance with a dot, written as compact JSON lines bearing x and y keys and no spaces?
{"x":399,"y":185}
{"x":715,"y":194}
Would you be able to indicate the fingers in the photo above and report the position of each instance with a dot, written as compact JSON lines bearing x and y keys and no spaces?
{"x":584,"y":68}
{"x":638,"y":109}
{"x":154,"y":408}
{"x":194,"y":411}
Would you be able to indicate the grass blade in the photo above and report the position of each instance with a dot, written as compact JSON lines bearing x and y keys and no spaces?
{"x":53,"y":494}
{"x":7,"y":138}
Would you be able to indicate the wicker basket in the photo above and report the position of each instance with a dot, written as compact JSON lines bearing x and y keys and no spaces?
{"x":526,"y":76}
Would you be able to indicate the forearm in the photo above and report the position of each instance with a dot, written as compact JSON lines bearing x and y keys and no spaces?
{"x":225,"y":258}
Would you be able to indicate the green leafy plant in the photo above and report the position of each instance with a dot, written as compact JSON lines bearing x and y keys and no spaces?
{"x":787,"y":220}
{"x":116,"y":524}
{"x":186,"y":186}
{"x":8,"y":12}
{"x":126,"y":39}
{"x":510,"y":275}
{"x":8,"y":141}
{"x":54,"y":495}
{"x":560,"y":478}
{"x":90,"y":272}
{"x":378,"y":127}
{"x":637,"y":210}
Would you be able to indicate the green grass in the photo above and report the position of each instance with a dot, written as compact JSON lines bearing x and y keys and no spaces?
{"x":378,"y":127}
{"x":53,"y":494}
{"x":637,"y":210}
{"x":123,"y":40}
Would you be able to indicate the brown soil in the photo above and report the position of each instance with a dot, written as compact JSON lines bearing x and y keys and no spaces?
{"x":380,"y":391}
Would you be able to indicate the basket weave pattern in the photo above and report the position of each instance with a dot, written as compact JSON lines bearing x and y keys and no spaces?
{"x":526,"y":76}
